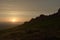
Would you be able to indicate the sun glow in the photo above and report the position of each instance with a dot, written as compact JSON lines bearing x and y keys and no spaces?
{"x":14,"y":20}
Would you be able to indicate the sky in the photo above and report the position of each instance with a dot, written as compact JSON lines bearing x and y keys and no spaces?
{"x":24,"y":10}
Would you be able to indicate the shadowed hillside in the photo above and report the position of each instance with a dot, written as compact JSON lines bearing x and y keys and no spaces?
{"x":41,"y":28}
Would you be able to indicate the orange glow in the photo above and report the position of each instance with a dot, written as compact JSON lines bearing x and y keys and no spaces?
{"x":13,"y":20}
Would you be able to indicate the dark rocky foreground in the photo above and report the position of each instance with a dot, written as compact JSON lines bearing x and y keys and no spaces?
{"x":41,"y":28}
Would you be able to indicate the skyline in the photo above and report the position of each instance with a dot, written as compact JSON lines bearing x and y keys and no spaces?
{"x":24,"y":10}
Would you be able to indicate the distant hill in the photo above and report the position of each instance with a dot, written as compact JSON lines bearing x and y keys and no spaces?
{"x":7,"y":25}
{"x":41,"y":28}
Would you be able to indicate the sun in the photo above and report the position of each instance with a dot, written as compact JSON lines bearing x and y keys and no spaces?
{"x":13,"y":20}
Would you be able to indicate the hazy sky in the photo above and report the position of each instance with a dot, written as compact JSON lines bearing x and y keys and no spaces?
{"x":24,"y":10}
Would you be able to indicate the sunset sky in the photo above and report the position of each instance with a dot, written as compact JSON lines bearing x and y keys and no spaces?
{"x":24,"y":10}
